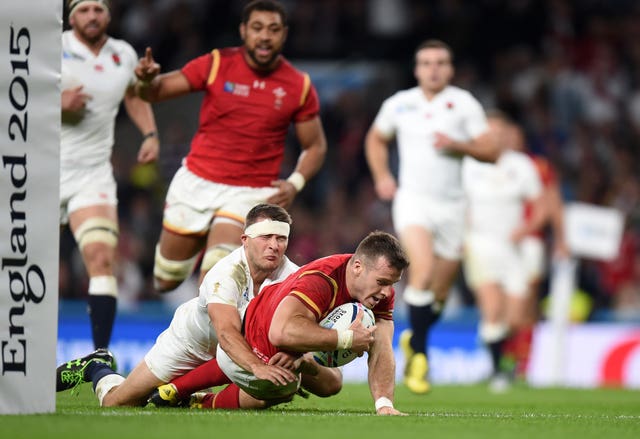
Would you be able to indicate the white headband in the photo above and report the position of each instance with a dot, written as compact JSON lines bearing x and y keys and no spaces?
{"x":73,"y":4}
{"x":267,"y":227}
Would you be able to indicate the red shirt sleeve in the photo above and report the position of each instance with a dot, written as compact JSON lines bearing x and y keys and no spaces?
{"x":310,"y":107}
{"x":197,"y":71}
{"x":316,"y":292}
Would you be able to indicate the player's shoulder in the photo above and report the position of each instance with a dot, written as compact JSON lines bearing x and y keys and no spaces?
{"x":458,"y":93}
{"x":406,"y":95}
{"x":227,"y":53}
{"x":518,"y":158}
{"x":287,"y":69}
{"x":227,"y":266}
{"x":122,"y":47}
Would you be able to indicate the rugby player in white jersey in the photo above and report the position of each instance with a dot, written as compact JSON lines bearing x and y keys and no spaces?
{"x":97,"y":75}
{"x":494,"y":265}
{"x":435,"y":125}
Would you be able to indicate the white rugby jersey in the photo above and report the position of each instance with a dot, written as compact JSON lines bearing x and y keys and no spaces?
{"x":413,"y":120}
{"x":229,"y":282}
{"x":497,"y":192}
{"x":105,"y":78}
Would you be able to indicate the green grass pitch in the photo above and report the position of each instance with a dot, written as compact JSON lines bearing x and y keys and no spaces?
{"x":447,"y":412}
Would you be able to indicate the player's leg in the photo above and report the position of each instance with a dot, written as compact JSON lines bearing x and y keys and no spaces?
{"x":319,"y":380}
{"x":132,"y":391}
{"x":175,"y":259}
{"x":186,"y":220}
{"x":423,"y":308}
{"x":95,"y":229}
{"x":533,"y":256}
{"x":179,"y":390}
{"x":233,"y":204}
{"x":493,"y":330}
{"x":111,"y":388}
{"x":224,"y":237}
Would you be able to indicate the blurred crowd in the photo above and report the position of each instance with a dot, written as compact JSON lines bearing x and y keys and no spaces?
{"x":567,"y":71}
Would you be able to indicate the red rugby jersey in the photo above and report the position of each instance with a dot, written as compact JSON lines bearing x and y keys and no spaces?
{"x":245,"y":116}
{"x":547,"y":178}
{"x":319,"y":285}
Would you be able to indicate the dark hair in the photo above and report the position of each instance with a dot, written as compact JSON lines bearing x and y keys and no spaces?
{"x":264,"y":5}
{"x":267,"y":211}
{"x":377,"y":244}
{"x":435,"y":44}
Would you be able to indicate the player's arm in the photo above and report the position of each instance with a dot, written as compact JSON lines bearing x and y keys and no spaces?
{"x":555,"y":208}
{"x":154,"y":87}
{"x":141,"y":114}
{"x":227,"y":324}
{"x":382,"y":368}
{"x":482,"y":148}
{"x":313,"y":143}
{"x":294,"y":328}
{"x":377,"y":155}
{"x":539,"y":215}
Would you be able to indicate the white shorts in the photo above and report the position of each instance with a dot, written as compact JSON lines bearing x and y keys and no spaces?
{"x":259,"y":389}
{"x":188,"y":342}
{"x":488,"y":259}
{"x":193,"y":202}
{"x":85,"y":187}
{"x":533,"y":257}
{"x":445,"y":220}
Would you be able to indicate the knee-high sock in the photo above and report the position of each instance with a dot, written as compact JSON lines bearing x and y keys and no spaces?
{"x":204,"y":376}
{"x":102,"y":313}
{"x":228,"y":398}
{"x":421,"y":319}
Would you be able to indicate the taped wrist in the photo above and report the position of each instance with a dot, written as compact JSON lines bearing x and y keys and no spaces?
{"x":345,"y":339}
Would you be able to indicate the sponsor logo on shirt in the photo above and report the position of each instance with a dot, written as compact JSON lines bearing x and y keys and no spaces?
{"x":71,"y":55}
{"x":116,"y":59}
{"x":237,"y":89}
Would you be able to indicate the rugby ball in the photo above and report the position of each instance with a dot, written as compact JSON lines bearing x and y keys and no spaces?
{"x":341,"y":317}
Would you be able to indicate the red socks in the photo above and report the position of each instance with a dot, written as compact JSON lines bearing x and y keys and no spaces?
{"x":202,"y":377}
{"x":228,"y":398}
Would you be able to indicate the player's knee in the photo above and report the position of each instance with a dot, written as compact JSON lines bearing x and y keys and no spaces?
{"x":214,"y":254}
{"x":327,"y":383}
{"x":169,"y":274}
{"x":97,"y":230}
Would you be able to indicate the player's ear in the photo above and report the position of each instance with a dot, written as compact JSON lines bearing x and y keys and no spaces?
{"x":243,"y":31}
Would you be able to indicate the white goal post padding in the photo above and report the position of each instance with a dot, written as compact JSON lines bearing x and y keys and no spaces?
{"x":30,"y":57}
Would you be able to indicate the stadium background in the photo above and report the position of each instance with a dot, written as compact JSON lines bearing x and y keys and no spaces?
{"x":568,"y":71}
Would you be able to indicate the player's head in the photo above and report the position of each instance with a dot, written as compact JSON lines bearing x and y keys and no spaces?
{"x":503,"y":130}
{"x":89,"y":18}
{"x":266,"y":236}
{"x":264,"y":31}
{"x":434,"y":65}
{"x":376,"y":265}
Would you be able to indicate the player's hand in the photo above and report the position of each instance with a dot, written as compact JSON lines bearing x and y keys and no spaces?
{"x":284,"y":359}
{"x":276,"y":374}
{"x":442,"y":141}
{"x":363,"y":337}
{"x":74,"y":100}
{"x":307,"y":365}
{"x":147,"y":68}
{"x":285,"y":195}
{"x":390,"y":411}
{"x":446,"y":145}
{"x":149,"y":150}
{"x":386,"y":188}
